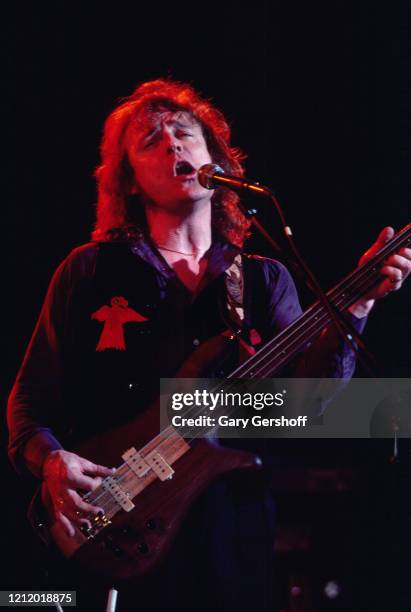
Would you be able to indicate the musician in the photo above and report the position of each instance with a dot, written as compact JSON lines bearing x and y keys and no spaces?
{"x":133,"y":304}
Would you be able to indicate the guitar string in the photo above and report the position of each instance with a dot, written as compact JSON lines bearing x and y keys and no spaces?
{"x":104,"y":498}
{"x":361,"y":284}
{"x":318,"y":323}
{"x":99,"y":496}
{"x":342,"y":288}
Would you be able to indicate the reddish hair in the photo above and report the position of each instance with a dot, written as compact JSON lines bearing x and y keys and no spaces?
{"x":118,"y":213}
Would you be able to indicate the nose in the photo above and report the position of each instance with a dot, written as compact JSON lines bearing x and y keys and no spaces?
{"x":174,"y":147}
{"x":172,"y":143}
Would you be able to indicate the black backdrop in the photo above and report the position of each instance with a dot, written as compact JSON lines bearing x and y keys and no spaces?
{"x":318,"y":97}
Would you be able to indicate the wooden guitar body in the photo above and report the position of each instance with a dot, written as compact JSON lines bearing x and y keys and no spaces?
{"x":138,"y":541}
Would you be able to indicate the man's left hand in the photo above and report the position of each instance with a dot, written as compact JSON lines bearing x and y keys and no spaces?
{"x":395,"y":270}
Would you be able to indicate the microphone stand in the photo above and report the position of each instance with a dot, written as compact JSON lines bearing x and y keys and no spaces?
{"x":297,"y":263}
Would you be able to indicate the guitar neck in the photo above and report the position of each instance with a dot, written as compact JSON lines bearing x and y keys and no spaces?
{"x":285,"y":346}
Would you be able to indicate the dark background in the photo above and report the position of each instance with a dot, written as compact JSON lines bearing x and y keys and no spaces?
{"x":318,"y":97}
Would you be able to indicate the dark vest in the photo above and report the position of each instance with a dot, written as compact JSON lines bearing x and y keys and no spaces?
{"x":128,"y":326}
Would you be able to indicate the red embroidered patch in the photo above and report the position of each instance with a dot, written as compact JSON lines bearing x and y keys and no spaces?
{"x":255,"y":337}
{"x":114,"y":317}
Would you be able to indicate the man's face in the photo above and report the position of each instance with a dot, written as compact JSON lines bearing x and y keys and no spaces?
{"x":165,"y":151}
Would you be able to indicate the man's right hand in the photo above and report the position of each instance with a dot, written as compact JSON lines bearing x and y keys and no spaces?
{"x":65,"y":474}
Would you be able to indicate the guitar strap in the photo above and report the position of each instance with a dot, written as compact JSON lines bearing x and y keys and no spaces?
{"x":234,"y":284}
{"x":245,"y":288}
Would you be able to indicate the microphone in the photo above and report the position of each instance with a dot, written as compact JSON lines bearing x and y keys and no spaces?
{"x":211,"y":176}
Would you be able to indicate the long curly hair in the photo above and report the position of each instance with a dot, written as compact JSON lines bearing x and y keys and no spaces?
{"x":119,"y":215}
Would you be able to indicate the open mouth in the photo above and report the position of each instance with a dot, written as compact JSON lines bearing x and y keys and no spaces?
{"x":184,"y":169}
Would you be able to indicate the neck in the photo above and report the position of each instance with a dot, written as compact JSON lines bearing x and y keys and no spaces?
{"x":184,"y":233}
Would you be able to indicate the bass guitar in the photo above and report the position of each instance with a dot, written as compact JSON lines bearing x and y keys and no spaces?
{"x":149,"y":494}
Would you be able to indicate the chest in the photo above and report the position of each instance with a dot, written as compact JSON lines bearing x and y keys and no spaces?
{"x":188,"y":270}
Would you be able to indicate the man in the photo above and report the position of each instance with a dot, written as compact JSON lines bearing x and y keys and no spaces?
{"x":131,"y":306}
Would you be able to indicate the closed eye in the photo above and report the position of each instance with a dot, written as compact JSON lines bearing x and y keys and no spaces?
{"x":182,"y":134}
{"x":149,"y":143}
{"x":151,"y":138}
